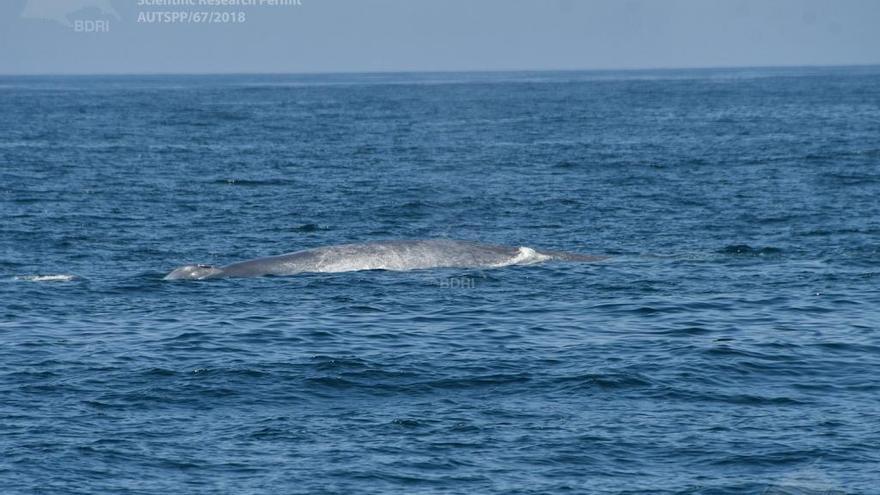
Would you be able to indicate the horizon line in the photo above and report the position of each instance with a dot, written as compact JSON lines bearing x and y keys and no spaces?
{"x":436,"y":71}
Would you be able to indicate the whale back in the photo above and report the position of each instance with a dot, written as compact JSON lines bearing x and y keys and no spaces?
{"x":384,"y":255}
{"x":411,"y":255}
{"x":194,"y":272}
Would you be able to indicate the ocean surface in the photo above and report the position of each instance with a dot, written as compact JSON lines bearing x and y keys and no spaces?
{"x":730,"y":345}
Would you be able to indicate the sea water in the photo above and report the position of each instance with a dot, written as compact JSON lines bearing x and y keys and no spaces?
{"x":729,"y":345}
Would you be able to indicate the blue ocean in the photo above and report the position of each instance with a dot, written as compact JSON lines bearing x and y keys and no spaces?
{"x":730,"y":344}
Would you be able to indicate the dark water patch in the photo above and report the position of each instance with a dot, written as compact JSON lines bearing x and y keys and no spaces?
{"x":687,"y":331}
{"x":749,"y":251}
{"x":310,"y":227}
{"x":478,"y":381}
{"x":735,"y":399}
{"x":850,"y":179}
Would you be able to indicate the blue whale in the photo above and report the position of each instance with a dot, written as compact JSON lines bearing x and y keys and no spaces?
{"x":383,"y":255}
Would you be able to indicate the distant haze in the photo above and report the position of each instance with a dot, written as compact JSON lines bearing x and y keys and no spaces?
{"x":121,"y":36}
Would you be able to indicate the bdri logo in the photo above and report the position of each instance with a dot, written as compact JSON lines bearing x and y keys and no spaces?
{"x":458,"y":283}
{"x":60,"y":11}
{"x":89,"y":26}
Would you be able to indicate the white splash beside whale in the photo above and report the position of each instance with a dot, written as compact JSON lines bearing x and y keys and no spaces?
{"x":385,"y":255}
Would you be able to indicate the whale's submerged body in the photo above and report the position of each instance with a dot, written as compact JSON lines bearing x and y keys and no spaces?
{"x":387,"y":255}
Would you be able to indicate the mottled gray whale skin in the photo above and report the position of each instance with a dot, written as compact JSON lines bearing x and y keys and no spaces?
{"x":384,"y":255}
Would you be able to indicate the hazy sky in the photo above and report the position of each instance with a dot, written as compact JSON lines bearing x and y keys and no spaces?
{"x":41,"y":36}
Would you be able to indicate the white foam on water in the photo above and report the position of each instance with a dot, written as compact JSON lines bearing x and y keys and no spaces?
{"x":46,"y":278}
{"x":525,"y":256}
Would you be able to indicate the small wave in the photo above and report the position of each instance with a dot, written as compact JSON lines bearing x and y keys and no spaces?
{"x":47,"y":278}
{"x":255,"y":182}
{"x":606,"y":381}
